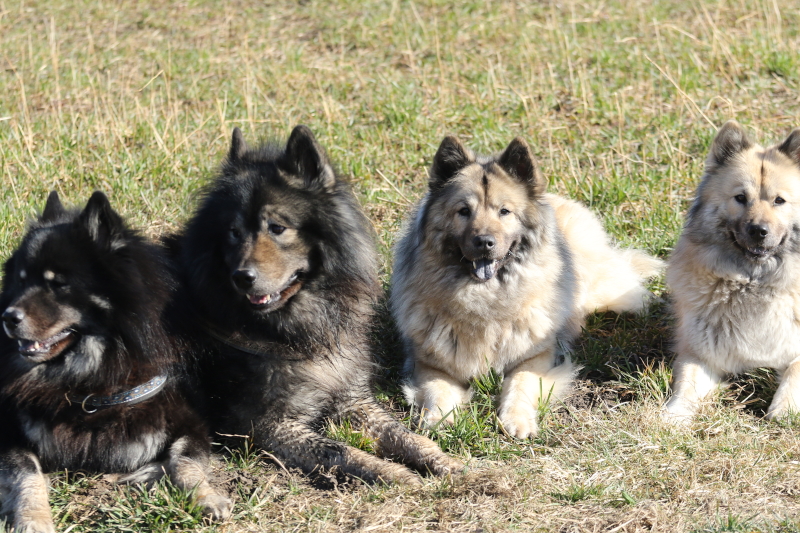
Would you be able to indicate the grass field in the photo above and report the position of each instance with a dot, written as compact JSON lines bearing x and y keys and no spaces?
{"x":619,"y":99}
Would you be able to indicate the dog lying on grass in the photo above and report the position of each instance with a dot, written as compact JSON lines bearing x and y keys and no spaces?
{"x":89,"y":376}
{"x":280,"y":278}
{"x":491,"y":272}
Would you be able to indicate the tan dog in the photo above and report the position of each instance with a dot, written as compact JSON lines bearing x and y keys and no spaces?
{"x":493,"y":273}
{"x":735,"y":273}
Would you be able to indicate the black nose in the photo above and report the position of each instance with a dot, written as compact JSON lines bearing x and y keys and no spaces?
{"x":484,"y":242}
{"x":13,"y":316}
{"x":757,"y":231}
{"x":244,"y":278}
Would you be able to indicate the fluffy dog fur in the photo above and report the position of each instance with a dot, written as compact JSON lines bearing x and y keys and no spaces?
{"x":279,"y":266}
{"x":735,"y":273}
{"x":493,"y":273}
{"x":82,"y":299}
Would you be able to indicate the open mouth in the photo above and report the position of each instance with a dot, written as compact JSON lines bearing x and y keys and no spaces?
{"x":270,"y":302}
{"x":47,"y":349}
{"x":484,"y":268}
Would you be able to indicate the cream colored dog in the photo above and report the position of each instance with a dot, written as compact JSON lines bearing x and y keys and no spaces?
{"x":493,"y":273}
{"x":735,"y":273}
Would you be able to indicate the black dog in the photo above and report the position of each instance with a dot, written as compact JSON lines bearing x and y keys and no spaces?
{"x":280,"y":270}
{"x":89,"y":377}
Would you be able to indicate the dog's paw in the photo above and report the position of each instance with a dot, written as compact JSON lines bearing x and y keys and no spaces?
{"x":784,"y":404}
{"x":395,"y":473}
{"x":676,"y":415}
{"x":520,"y":421}
{"x":776,"y":412}
{"x":430,"y":418}
{"x":216,"y":506}
{"x":445,"y":465}
{"x":34,"y":525}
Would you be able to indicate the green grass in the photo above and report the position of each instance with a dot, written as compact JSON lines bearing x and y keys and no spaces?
{"x":619,"y":100}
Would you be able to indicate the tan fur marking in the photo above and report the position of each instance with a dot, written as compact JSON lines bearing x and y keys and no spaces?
{"x":25,"y":496}
{"x":458,"y":328}
{"x":735,"y":312}
{"x":189,"y":474}
{"x":268,"y":256}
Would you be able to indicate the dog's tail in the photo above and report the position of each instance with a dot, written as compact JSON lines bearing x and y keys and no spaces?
{"x":619,"y":285}
{"x":645,"y":265}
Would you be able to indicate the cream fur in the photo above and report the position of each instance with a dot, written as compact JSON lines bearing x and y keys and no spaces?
{"x":733,"y":313}
{"x":456,"y":329}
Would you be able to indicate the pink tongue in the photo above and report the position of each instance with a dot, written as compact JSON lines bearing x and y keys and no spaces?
{"x":259,"y":300}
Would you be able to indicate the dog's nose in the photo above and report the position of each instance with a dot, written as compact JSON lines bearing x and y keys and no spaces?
{"x":13,"y":316}
{"x":757,"y":231}
{"x":484,"y":242}
{"x":244,"y":278}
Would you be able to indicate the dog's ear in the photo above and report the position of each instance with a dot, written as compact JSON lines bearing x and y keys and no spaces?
{"x":238,"y":146}
{"x":103,"y":225}
{"x":451,"y":157}
{"x":305,"y":158}
{"x":53,"y":208}
{"x":731,"y":139}
{"x":517,"y":161}
{"x":791,"y":146}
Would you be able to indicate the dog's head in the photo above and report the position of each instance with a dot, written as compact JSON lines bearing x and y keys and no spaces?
{"x":267,"y":245}
{"x":52,"y":296}
{"x":482,"y":207}
{"x":750,"y":194}
{"x":275,"y":230}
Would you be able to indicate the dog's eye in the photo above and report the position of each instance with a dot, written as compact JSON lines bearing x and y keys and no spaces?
{"x":464,"y":211}
{"x":234,"y":234}
{"x":276,"y":229}
{"x":504,"y":212}
{"x":741,"y":198}
{"x":779,"y":201}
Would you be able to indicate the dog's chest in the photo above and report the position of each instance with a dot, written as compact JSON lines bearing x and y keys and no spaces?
{"x":470,"y":345}
{"x":745,"y":325}
{"x":108,"y":448}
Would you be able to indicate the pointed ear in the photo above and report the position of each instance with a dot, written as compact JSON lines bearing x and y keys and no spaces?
{"x":451,"y":157}
{"x":305,"y":158}
{"x":791,"y":146}
{"x":731,"y":139}
{"x":238,"y":146}
{"x":101,"y":222}
{"x":53,"y":209}
{"x":517,"y":161}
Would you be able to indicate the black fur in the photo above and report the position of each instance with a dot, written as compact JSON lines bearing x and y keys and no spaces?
{"x":87,"y":272}
{"x":281,"y":373}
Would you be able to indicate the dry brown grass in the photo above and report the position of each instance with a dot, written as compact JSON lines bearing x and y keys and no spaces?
{"x":619,"y":100}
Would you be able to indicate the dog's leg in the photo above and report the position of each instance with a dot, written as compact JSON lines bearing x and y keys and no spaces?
{"x":23,"y":492}
{"x":532,"y":382}
{"x":296,"y":444}
{"x":187,"y":466}
{"x":395,"y":441}
{"x":692,"y":381}
{"x":787,"y":397}
{"x":436,"y":394}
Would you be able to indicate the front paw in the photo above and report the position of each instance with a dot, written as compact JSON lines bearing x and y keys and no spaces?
{"x":677,"y":414}
{"x":216,"y":506}
{"x":35,"y":525}
{"x":520,"y":421}
{"x":780,"y":409}
{"x":432,"y":417}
